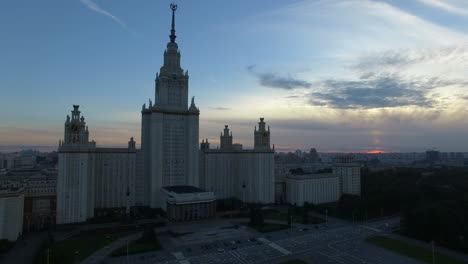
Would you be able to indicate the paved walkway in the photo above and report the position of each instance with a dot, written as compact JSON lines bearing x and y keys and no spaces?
{"x":102,"y":253}
{"x":25,"y":249}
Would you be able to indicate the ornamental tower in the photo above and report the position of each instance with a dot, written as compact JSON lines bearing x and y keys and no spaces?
{"x":226,"y":139}
{"x":261,"y":136}
{"x":76,"y":131}
{"x":169,"y":136}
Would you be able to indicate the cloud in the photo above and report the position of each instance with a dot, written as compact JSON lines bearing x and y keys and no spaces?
{"x":436,"y":60}
{"x":220,"y":108}
{"x":446,"y":6}
{"x":275,"y":81}
{"x":376,"y":92}
{"x":93,"y":6}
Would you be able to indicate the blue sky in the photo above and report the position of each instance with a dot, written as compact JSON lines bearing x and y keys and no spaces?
{"x":338,"y":75}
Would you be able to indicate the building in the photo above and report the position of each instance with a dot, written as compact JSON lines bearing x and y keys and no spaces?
{"x":246,"y":174}
{"x":318,"y":188}
{"x":169,"y":130}
{"x":11,"y":211}
{"x":313,"y":188}
{"x":40,"y":188}
{"x":169,"y":171}
{"x":349,"y":173}
{"x":185,"y":203}
{"x":40,"y":202}
{"x":91,"y":178}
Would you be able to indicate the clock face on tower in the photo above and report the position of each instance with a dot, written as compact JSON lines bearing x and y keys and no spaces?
{"x":265,"y":134}
{"x":75,"y":128}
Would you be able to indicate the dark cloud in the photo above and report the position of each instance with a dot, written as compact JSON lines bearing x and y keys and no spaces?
{"x":377,"y":92}
{"x":276,"y":81}
{"x":220,"y":108}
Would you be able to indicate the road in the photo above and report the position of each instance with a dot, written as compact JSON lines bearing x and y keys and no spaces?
{"x":337,"y":244}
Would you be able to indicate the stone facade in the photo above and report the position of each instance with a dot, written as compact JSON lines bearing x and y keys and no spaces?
{"x":11,"y":212}
{"x":90,"y":178}
{"x":231,"y":171}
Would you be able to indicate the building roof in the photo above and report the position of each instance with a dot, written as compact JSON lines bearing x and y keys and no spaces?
{"x":183,"y":189}
{"x":312,"y":176}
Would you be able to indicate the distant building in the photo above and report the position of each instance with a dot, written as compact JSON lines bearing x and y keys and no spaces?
{"x":318,"y":188}
{"x":39,"y":195}
{"x":349,"y":173}
{"x":11,"y":212}
{"x":313,"y":156}
{"x":432,"y":156}
{"x":312,"y":188}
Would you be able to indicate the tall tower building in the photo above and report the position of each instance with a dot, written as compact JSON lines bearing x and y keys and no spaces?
{"x":169,"y":136}
{"x":75,"y":199}
{"x":225,"y":140}
{"x":91,"y":179}
{"x":262,"y":136}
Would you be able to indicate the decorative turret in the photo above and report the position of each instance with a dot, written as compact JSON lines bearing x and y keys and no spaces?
{"x":131,"y":144}
{"x":76,"y":131}
{"x":193,"y":108}
{"x":262,"y":136}
{"x":226,"y":139}
{"x":205,"y":145}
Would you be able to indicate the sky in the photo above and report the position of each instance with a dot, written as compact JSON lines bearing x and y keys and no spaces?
{"x":336,"y":75}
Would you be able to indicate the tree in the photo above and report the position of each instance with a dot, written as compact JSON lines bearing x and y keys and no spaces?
{"x":289,"y":215}
{"x":148,"y":233}
{"x":305,"y":215}
{"x":256,"y":215}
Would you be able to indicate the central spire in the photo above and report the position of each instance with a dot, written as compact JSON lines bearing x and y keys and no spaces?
{"x":173,"y":36}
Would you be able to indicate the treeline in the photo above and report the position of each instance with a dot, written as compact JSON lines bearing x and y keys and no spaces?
{"x":432,"y":202}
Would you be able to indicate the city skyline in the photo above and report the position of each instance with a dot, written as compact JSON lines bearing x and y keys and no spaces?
{"x":386,"y":77}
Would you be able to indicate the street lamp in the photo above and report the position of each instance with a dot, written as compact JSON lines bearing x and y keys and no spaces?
{"x":243,"y":191}
{"x":127,"y":251}
{"x":326,"y":217}
{"x":433,"y":253}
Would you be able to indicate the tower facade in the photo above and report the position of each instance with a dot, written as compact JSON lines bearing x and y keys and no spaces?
{"x":169,"y":137}
{"x":262,"y":136}
{"x":75,"y":199}
{"x":225,"y":139}
{"x":231,"y":171}
{"x":91,"y":179}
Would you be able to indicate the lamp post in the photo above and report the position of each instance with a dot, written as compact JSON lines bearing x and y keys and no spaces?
{"x":243,"y":191}
{"x":433,"y":253}
{"x":127,"y":251}
{"x":326,"y":217}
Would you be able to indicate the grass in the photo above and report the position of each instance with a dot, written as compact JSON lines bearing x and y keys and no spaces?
{"x":294,"y":261}
{"x":71,"y":250}
{"x":269,"y":227}
{"x":5,"y":246}
{"x":415,"y":252}
{"x":136,"y":247}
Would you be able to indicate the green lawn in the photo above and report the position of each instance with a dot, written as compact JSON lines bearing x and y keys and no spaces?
{"x":294,"y":261}
{"x":136,"y":247}
{"x":5,"y":246}
{"x":71,"y":250}
{"x":415,"y":252}
{"x":269,"y":227}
